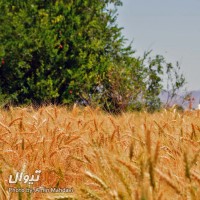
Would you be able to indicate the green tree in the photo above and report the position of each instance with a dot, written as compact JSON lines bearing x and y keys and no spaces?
{"x":175,"y":82}
{"x":68,"y":51}
{"x":57,"y":50}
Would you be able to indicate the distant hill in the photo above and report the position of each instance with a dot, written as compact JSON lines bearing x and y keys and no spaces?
{"x":179,"y":99}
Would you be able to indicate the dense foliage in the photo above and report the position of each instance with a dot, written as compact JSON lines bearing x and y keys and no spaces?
{"x":66,"y":51}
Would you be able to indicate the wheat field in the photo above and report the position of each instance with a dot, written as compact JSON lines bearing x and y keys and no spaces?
{"x":97,"y":155}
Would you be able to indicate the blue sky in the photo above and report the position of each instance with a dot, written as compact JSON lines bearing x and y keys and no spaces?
{"x":170,"y":28}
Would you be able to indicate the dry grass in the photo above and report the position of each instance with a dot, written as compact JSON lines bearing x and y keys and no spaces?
{"x":130,"y":156}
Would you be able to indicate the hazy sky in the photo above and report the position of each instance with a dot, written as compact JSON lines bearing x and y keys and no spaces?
{"x":168,"y":27}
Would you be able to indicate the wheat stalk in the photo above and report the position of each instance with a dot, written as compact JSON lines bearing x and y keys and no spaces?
{"x":168,"y":181}
{"x":6,"y":127}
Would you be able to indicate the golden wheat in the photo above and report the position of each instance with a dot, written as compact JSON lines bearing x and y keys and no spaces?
{"x":99,"y":155}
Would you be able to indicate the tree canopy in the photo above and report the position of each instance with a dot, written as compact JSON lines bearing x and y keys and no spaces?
{"x":67,"y":51}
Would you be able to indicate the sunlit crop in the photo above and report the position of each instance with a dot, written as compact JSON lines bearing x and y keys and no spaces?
{"x":100,"y":156}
